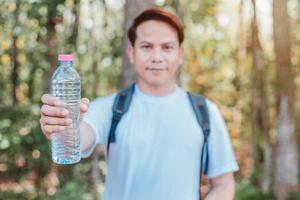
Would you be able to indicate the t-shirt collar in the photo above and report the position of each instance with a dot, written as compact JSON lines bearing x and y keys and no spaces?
{"x":156,"y":99}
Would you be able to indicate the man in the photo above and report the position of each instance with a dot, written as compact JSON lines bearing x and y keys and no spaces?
{"x":156,"y":155}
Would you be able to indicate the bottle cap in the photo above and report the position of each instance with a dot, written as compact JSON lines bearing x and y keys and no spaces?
{"x":65,"y":57}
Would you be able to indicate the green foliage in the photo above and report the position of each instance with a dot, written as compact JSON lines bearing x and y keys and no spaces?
{"x":294,"y":196}
{"x":12,"y":196}
{"x":25,"y":153}
{"x":73,"y":190}
{"x":23,"y":147}
{"x":25,"y":162}
{"x":247,"y":191}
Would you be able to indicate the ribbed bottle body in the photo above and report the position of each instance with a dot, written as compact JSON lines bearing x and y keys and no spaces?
{"x":66,"y":86}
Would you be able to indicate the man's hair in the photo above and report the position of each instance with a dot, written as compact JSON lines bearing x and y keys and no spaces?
{"x":157,"y":14}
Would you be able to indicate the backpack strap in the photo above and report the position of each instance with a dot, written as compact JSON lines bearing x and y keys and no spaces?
{"x":120,"y":107}
{"x":200,"y":108}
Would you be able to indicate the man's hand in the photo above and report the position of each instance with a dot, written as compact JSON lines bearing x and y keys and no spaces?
{"x":54,"y":117}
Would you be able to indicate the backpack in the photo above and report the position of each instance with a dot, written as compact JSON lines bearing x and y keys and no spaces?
{"x":121,"y":105}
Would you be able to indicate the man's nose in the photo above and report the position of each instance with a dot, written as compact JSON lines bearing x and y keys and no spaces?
{"x":157,"y":55}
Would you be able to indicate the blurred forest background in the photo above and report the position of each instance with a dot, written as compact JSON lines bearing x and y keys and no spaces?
{"x":242,"y":54}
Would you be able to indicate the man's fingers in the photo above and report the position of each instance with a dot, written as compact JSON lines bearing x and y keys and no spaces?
{"x":85,"y":101}
{"x":84,"y":105}
{"x":54,"y":111}
{"x":54,"y":115}
{"x":45,"y":120}
{"x":83,"y":108}
{"x":49,"y":129}
{"x":51,"y":100}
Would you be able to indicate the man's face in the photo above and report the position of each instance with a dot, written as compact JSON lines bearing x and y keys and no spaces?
{"x":156,"y":54}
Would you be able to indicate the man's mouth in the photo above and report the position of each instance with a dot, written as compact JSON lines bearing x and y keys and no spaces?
{"x":156,"y":68}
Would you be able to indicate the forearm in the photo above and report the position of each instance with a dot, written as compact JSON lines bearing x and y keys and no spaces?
{"x":87,"y":137}
{"x":224,"y":191}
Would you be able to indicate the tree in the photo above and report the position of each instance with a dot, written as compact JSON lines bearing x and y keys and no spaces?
{"x":286,"y":158}
{"x":16,"y":65}
{"x":132,"y":8}
{"x":53,"y":20}
{"x":260,"y":117}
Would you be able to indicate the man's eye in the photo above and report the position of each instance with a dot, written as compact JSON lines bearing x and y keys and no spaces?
{"x":146,"y":47}
{"x":168,"y":48}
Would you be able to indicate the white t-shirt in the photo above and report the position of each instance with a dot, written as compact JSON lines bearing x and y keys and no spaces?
{"x":158,"y":147}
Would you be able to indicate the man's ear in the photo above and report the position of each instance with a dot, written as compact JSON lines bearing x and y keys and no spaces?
{"x":130,"y":52}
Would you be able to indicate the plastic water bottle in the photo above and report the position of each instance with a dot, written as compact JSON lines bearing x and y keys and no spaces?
{"x":65,"y":145}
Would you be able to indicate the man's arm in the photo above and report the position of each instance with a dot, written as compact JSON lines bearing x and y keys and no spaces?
{"x":222,"y":187}
{"x":87,"y":137}
{"x":54,"y":119}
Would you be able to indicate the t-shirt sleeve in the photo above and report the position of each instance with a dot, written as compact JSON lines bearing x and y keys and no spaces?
{"x":221,"y":155}
{"x":98,"y":117}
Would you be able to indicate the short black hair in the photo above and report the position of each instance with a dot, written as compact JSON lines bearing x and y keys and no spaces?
{"x":158,"y":14}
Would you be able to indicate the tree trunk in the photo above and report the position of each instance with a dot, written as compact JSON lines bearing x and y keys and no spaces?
{"x":95,"y":69}
{"x":95,"y":174}
{"x":179,"y":78}
{"x":51,"y":54}
{"x":260,"y":117}
{"x":31,"y":88}
{"x":241,"y":57}
{"x":242,"y":48}
{"x":73,"y":38}
{"x":286,"y":158}
{"x":132,"y":9}
{"x":16,"y":65}
{"x":240,"y":64}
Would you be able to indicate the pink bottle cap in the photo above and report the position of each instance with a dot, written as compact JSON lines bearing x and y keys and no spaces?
{"x":65,"y":57}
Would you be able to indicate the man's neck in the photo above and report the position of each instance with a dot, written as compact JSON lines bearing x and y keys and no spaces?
{"x":159,"y":90}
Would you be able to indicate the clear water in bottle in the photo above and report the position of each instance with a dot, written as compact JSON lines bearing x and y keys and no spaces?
{"x":66,"y":86}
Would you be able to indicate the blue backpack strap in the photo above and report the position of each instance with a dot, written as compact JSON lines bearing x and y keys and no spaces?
{"x":120,"y":107}
{"x":200,"y":108}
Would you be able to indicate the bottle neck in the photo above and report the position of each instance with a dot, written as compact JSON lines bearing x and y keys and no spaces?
{"x":65,"y":63}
